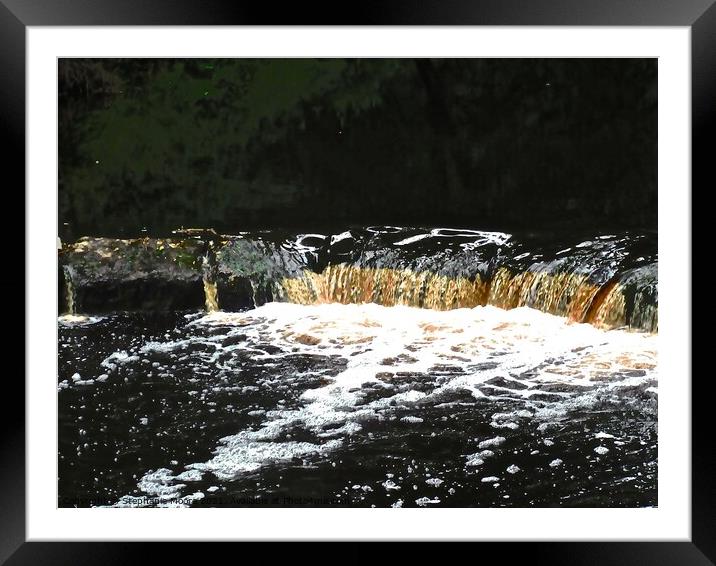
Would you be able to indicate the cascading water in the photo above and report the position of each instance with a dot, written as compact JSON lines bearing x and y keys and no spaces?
{"x":69,"y":291}
{"x":377,"y":366}
{"x":600,"y":280}
{"x":211,"y":294}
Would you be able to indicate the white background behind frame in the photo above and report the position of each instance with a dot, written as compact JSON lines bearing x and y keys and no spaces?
{"x":669,"y":521}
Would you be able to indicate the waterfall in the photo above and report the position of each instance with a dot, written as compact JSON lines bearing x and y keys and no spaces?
{"x":69,"y":291}
{"x":566,"y":294}
{"x":350,"y":284}
{"x":211,"y":293}
{"x":212,"y":296}
{"x":603,"y":281}
{"x":610,"y":281}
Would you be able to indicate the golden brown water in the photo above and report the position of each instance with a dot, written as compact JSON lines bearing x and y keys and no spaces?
{"x":69,"y":293}
{"x":563,"y":294}
{"x":211,"y":295}
{"x":348,"y":284}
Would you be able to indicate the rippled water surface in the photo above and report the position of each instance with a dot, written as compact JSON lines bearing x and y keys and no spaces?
{"x":355,"y":404}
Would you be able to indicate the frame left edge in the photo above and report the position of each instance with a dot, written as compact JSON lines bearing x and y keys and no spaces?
{"x":12,"y":431}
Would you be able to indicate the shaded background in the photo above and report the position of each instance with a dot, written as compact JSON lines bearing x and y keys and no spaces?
{"x":236,"y":144}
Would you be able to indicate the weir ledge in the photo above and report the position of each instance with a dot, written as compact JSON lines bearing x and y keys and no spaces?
{"x":611,"y":283}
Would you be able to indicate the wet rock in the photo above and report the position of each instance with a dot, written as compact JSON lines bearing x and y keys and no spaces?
{"x":104,"y":275}
{"x":250,"y":268}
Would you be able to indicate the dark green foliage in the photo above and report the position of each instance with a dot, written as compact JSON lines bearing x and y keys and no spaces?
{"x":241,"y":143}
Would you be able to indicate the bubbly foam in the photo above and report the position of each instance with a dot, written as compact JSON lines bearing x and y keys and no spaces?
{"x":78,"y":320}
{"x":399,"y":361}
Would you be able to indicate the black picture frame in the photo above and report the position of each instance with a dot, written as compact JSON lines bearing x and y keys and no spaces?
{"x":699,"y":15}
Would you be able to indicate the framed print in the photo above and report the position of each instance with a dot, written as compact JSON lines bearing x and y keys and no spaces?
{"x":421,"y":275}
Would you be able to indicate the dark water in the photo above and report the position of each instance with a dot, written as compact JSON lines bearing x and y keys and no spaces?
{"x":358,"y":405}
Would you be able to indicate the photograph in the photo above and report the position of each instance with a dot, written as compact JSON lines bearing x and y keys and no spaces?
{"x":357,"y":282}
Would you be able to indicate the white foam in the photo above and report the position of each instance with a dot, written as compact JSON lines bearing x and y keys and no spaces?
{"x":474,"y":460}
{"x":536,"y":351}
{"x":497,"y":441}
{"x":70,"y":320}
{"x":190,"y":475}
{"x":425,"y":501}
{"x":603,"y":435}
{"x":115,"y":359}
{"x":247,"y":452}
{"x":411,"y":419}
